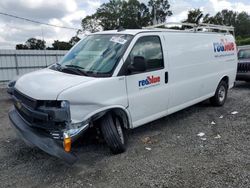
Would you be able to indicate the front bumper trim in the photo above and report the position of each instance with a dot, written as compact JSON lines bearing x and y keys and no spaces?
{"x":39,"y":139}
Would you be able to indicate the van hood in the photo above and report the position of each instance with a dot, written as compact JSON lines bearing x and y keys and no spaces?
{"x":47,"y":84}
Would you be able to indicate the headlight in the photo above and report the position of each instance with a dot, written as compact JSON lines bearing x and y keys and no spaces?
{"x":65,"y":104}
{"x":73,"y":129}
{"x":76,"y":128}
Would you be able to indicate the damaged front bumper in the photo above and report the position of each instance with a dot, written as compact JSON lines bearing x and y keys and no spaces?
{"x":40,"y":138}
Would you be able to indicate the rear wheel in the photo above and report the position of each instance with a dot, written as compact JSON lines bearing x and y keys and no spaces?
{"x":220,"y":95}
{"x":113,"y":133}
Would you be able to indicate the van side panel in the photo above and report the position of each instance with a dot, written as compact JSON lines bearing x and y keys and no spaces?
{"x":196,"y":67}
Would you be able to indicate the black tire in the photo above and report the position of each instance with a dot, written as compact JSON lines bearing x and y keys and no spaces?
{"x":113,"y":133}
{"x":220,"y":95}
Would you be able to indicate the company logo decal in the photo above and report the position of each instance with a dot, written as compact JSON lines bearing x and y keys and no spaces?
{"x":223,"y":47}
{"x":150,"y":81}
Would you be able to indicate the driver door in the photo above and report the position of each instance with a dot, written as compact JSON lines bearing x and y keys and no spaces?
{"x":148,"y":90}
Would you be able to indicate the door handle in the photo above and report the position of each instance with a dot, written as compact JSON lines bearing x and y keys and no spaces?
{"x":166,"y":77}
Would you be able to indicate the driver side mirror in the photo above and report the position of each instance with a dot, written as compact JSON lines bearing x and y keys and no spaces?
{"x":139,"y":65}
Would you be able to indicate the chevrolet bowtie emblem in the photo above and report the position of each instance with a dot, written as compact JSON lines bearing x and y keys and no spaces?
{"x":18,"y":104}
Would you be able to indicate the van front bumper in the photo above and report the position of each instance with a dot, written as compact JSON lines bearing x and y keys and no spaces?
{"x":40,"y":139}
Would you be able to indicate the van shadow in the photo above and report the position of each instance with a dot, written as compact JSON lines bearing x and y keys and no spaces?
{"x":92,"y":147}
{"x":171,"y":120}
{"x":242,"y":85}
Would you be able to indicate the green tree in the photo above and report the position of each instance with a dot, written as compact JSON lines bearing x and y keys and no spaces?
{"x":21,"y":47}
{"x":74,"y":40}
{"x":160,"y":10}
{"x":144,"y":15}
{"x":91,"y":24}
{"x":195,"y":16}
{"x":225,"y":17}
{"x":32,"y":44}
{"x":240,"y":21}
{"x":35,"y":44}
{"x":242,"y":25}
{"x":61,"y":45}
{"x":134,"y":15}
{"x":130,"y":14}
{"x":110,"y":14}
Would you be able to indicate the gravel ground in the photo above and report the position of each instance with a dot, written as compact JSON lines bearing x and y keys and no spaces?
{"x":178,"y":156}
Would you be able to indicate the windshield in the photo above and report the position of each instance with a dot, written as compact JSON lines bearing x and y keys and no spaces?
{"x":244,"y":54}
{"x":97,"y":54}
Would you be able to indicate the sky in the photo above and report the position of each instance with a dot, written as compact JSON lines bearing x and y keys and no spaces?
{"x":69,"y":13}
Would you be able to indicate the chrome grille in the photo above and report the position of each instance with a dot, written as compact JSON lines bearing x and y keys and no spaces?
{"x":28,"y":101}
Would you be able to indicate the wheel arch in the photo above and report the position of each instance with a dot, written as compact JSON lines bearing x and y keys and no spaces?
{"x":120,"y":111}
{"x":223,"y":78}
{"x":226,"y":79}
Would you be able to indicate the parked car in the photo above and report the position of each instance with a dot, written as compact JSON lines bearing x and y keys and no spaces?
{"x":120,"y":80}
{"x":243,"y":72}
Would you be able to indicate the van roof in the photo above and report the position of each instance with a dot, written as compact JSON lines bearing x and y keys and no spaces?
{"x":125,"y":31}
{"x":136,"y":31}
{"x":163,"y":27}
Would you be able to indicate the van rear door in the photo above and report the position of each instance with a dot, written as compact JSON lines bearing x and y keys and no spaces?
{"x":148,"y":90}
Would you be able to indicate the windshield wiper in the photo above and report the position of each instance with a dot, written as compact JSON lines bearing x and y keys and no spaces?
{"x":74,"y":66}
{"x":78,"y":70}
{"x":93,"y":73}
{"x":75,"y":69}
{"x":58,"y":66}
{"x":107,"y":51}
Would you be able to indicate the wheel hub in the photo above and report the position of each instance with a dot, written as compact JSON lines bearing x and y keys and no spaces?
{"x":119,"y":130}
{"x":222,"y":93}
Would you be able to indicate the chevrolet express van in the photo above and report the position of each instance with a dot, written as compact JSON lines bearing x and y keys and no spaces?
{"x":120,"y":80}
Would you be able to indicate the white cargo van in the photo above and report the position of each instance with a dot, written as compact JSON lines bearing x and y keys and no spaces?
{"x":120,"y":80}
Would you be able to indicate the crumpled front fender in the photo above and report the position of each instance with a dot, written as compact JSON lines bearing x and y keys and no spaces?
{"x":86,"y":112}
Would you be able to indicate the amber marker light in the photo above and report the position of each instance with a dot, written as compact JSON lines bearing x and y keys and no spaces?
{"x":66,"y":142}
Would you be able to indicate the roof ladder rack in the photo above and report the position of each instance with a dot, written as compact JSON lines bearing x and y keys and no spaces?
{"x":195,"y":27}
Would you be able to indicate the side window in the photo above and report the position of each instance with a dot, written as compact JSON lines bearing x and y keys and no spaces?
{"x":148,"y":47}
